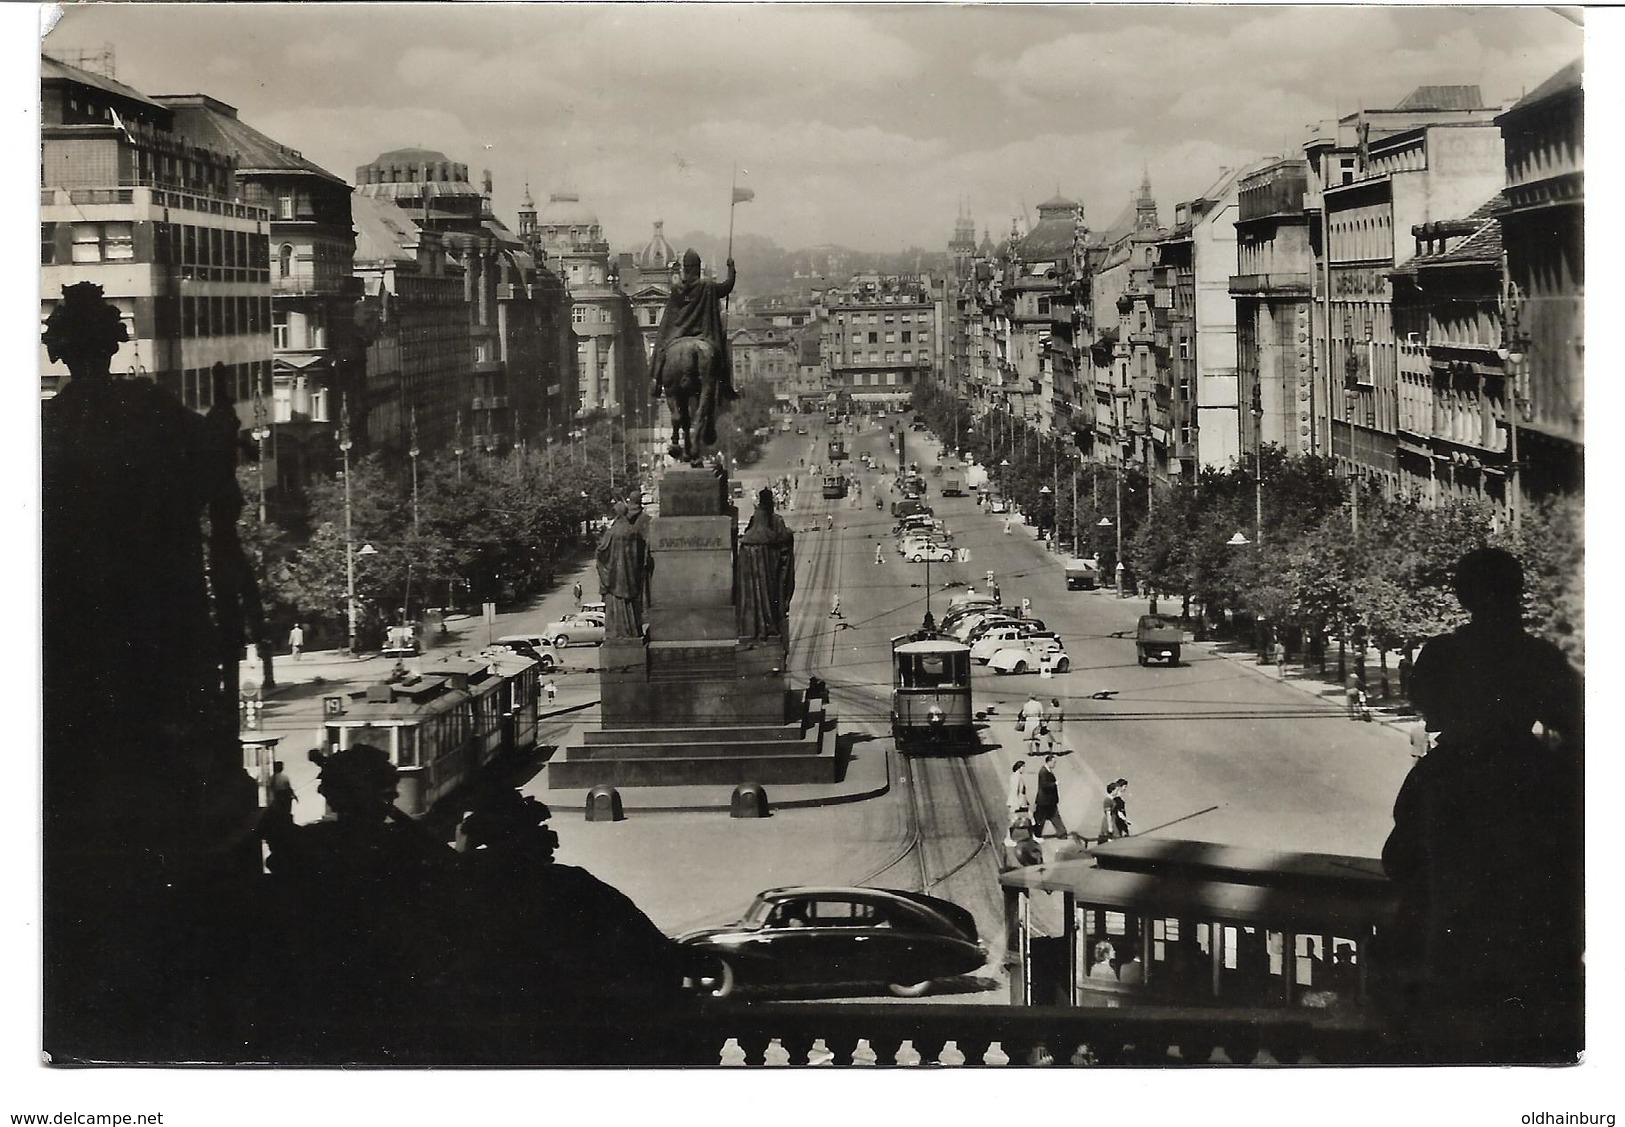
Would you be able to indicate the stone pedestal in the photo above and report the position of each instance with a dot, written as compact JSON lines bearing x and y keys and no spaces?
{"x":695,"y":703}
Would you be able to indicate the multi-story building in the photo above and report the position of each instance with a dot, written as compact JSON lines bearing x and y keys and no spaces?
{"x":764,"y":353}
{"x":155,"y":219}
{"x":1543,"y":231}
{"x":1044,"y":277}
{"x":511,"y":362}
{"x":415,"y":327}
{"x":881,"y":336}
{"x":1123,"y":297}
{"x":1452,"y":440}
{"x":612,"y":362}
{"x":1194,"y":413}
{"x":1374,"y":177}
{"x":317,"y":360}
{"x":1273,"y":290}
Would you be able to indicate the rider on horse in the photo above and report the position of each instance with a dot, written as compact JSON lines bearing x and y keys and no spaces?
{"x":695,"y":310}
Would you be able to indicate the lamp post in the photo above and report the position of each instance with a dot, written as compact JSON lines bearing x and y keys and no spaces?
{"x":1045,"y":494}
{"x":261,"y":432}
{"x":1351,"y":391}
{"x":1258,"y":451}
{"x":412,"y":453}
{"x":1117,"y":480}
{"x":349,"y":529}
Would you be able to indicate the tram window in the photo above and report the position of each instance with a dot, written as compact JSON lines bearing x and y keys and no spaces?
{"x":409,"y":747}
{"x":929,"y":671}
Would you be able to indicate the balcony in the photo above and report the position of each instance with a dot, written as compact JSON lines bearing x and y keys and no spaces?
{"x":1295,"y":284}
{"x":147,"y":196}
{"x":308,"y":284}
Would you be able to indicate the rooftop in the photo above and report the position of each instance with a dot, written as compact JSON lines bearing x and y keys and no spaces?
{"x":1443,"y":98}
{"x":211,"y":123}
{"x":56,"y":69}
{"x":1567,"y":80}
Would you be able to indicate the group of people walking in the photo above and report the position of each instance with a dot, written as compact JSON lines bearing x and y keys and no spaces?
{"x":1034,"y":802}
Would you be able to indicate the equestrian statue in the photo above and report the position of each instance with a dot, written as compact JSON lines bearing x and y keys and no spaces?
{"x":691,"y":365}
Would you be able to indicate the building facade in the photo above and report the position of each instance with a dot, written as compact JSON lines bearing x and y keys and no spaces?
{"x":1375,"y":176}
{"x":1543,"y":232}
{"x":1273,"y":291}
{"x":317,"y":360}
{"x":881,"y":336}
{"x":134,"y":206}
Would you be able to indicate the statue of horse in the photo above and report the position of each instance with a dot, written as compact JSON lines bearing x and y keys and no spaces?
{"x":689,"y":383}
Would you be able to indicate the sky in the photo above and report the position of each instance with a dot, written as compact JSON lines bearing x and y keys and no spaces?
{"x":863,"y":125}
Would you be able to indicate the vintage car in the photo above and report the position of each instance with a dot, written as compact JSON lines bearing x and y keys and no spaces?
{"x":995,"y":639}
{"x":578,"y":630}
{"x":1030,"y":654}
{"x":922,"y":551}
{"x":815,"y":936}
{"x":1158,"y":639}
{"x":998,"y":505}
{"x":533,"y":646}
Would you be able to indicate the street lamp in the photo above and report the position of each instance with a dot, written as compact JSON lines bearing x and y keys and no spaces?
{"x":349,"y":529}
{"x":413,"y":454}
{"x":261,"y":432}
{"x":1258,"y":450}
{"x":1045,"y":493}
{"x":1238,"y":540}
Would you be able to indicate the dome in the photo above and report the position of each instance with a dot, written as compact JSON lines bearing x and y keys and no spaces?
{"x":565,"y":209}
{"x":657,"y":253}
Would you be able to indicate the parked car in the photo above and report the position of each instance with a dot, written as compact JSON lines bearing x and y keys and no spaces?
{"x":970,"y":631}
{"x":592,"y":608}
{"x":935,"y":553}
{"x":1082,"y":573}
{"x":810,"y":936}
{"x":995,"y":639}
{"x":533,"y":646}
{"x":1028,"y":654}
{"x":998,"y":505}
{"x":578,"y":630}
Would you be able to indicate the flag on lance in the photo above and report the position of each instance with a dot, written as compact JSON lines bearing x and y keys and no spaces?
{"x":744,"y":195}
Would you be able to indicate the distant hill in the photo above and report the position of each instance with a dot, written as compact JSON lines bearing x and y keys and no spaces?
{"x":766,"y":268}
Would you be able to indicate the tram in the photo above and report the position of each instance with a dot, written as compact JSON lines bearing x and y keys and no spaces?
{"x":442,"y":725}
{"x":931,"y":692}
{"x":837,"y":450}
{"x":1193,"y":922}
{"x":834,"y":486}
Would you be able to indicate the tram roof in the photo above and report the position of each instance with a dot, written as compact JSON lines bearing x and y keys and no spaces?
{"x":1295,"y":908}
{"x":932,"y":646}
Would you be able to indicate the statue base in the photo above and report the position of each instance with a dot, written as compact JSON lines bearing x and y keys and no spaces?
{"x":696,"y":703}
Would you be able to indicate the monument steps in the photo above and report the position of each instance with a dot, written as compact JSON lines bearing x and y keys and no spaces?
{"x":732,"y":734}
{"x":813,"y":760}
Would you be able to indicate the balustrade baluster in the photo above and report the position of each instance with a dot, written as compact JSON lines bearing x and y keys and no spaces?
{"x":909,"y":1054}
{"x":797,"y":1048}
{"x":951,"y":1055}
{"x":732,"y":1054}
{"x":996,"y":1056}
{"x":775,"y":1054}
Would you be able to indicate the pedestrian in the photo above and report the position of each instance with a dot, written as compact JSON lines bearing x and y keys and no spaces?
{"x":1405,"y":667}
{"x":1120,"y":822}
{"x":829,"y":522}
{"x":1017,"y":799}
{"x":296,"y":640}
{"x":281,"y":798}
{"x":880,"y":557}
{"x":1056,"y":716}
{"x":835,"y":607}
{"x":551,"y":689}
{"x":1108,"y":813}
{"x":1032,"y":722}
{"x":1007,"y":526}
{"x":1280,"y":658}
{"x":576,"y":591}
{"x":1354,"y":688}
{"x":1047,"y":801}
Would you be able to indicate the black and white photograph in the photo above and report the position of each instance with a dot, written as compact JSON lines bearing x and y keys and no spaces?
{"x":597,"y":548}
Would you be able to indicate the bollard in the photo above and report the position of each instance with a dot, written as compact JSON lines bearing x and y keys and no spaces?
{"x":749,"y":801}
{"x":604,"y":804}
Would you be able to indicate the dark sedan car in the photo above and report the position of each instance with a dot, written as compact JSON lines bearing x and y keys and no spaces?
{"x":827,"y":936}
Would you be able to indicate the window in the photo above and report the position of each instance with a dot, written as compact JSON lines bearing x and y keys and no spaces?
{"x":874,"y":338}
{"x":87,"y":242}
{"x":891,"y":338}
{"x":284,"y":261}
{"x":907,"y":335}
{"x":578,"y":314}
{"x":1043,"y":305}
{"x":279,"y":328}
{"x":47,"y":244}
{"x":284,"y":205}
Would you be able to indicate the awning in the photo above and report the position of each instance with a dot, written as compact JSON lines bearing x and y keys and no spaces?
{"x":297,"y":363}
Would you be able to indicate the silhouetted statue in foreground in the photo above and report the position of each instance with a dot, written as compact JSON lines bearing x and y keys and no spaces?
{"x":624,"y":564}
{"x":145,"y":797}
{"x":1487,"y":839}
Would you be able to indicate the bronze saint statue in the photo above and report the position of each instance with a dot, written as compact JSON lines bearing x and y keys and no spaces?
{"x":691,"y":365}
{"x":624,"y":564}
{"x":766,"y":573}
